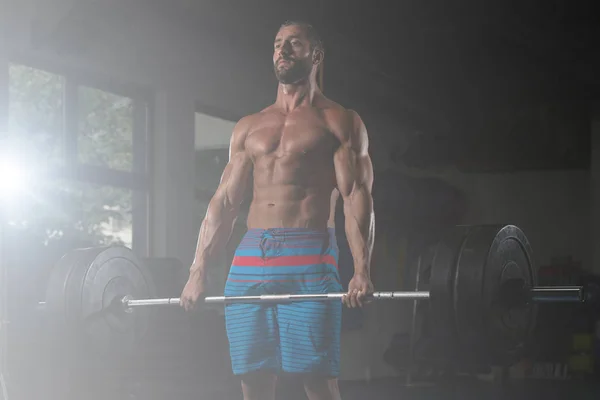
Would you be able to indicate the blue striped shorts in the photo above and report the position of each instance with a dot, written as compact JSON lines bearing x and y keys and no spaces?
{"x":301,"y":337}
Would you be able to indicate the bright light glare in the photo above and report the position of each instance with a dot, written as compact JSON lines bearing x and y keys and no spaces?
{"x":15,"y":179}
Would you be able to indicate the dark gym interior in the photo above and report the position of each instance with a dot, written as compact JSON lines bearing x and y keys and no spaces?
{"x":115,"y":122}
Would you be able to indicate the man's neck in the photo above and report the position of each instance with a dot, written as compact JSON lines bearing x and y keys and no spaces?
{"x":292,"y":96}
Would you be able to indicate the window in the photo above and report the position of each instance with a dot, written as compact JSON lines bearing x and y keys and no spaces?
{"x":81,"y":212}
{"x":35,"y":110}
{"x":89,"y":145}
{"x":105,"y":129}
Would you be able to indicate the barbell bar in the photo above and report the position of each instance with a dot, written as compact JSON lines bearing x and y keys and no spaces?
{"x":541,"y":294}
{"x":277,"y":298}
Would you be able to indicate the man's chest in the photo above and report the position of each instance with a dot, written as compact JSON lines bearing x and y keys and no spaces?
{"x":300,"y":133}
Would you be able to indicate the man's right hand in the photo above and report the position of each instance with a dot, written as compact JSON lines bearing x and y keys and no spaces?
{"x":193,"y":291}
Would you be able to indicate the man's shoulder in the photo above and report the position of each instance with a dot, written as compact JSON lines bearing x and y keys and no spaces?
{"x":245,"y":124}
{"x":252,"y":119}
{"x":333,"y":108}
{"x":342,"y":121}
{"x":246,"y":121}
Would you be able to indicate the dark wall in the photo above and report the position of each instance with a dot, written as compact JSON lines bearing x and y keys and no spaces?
{"x":483,"y":89}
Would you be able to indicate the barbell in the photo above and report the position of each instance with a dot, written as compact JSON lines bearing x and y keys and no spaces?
{"x":538,"y":294}
{"x":482,"y":293}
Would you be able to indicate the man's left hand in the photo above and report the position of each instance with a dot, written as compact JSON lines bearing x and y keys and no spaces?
{"x":359,"y":287}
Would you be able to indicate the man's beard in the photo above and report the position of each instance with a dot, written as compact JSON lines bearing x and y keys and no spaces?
{"x":295,"y":72}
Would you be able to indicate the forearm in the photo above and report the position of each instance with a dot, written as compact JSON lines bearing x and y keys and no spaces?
{"x":214,"y":234}
{"x":360,"y":227}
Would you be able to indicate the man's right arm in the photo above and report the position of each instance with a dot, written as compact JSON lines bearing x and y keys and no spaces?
{"x":224,"y":206}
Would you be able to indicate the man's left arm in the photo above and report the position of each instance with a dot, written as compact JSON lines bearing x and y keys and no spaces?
{"x":354,"y":175}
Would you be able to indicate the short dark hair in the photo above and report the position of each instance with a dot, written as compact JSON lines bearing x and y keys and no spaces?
{"x":311,"y":33}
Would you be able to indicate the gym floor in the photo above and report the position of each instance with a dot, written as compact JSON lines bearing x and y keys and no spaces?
{"x":384,"y":390}
{"x":394,"y":389}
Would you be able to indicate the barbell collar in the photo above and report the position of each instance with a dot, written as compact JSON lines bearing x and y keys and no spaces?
{"x":557,"y":294}
{"x":514,"y":293}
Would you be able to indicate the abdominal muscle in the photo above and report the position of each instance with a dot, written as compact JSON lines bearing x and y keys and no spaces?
{"x":292,"y":206}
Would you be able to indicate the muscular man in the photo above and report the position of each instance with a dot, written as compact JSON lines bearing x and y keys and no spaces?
{"x":305,"y":151}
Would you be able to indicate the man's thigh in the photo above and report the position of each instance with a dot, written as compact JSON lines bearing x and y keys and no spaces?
{"x":253,"y":337}
{"x":309,"y":334}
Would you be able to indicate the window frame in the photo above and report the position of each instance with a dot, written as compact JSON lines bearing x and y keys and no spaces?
{"x":138,"y":180}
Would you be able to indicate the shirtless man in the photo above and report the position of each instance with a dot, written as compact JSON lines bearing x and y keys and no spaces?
{"x":305,"y":151}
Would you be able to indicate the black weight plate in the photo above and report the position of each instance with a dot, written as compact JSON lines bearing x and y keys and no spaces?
{"x":61,"y":350}
{"x":57,"y":325}
{"x":441,"y":284}
{"x":491,"y":255}
{"x":81,"y":296}
{"x":420,"y":310}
